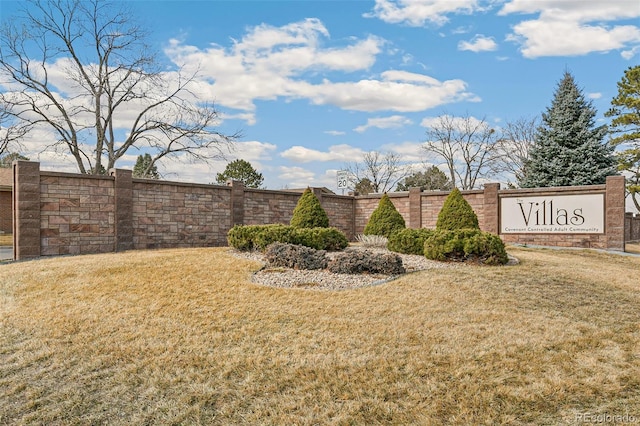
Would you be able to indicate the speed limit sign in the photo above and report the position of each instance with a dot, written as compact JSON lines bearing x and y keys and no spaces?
{"x":342,"y":179}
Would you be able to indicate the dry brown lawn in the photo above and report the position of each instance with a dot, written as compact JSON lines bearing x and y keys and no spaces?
{"x":183,"y":337}
{"x":632,"y":248}
{"x":6,"y":239}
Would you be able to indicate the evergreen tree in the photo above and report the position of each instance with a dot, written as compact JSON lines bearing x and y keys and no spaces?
{"x":625,"y":124}
{"x":568,"y":148}
{"x":432,"y":179}
{"x":243,"y":171}
{"x":456,"y":213}
{"x":144,"y":168}
{"x":7,"y":160}
{"x":309,"y":212}
{"x":385,"y":219}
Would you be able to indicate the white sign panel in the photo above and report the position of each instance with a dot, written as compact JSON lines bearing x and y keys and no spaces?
{"x":343,"y":179}
{"x":554,"y":214}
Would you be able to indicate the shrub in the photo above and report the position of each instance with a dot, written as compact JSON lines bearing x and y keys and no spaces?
{"x":320,"y":238}
{"x":250,"y":237}
{"x":385,"y":219}
{"x":241,"y":237}
{"x":359,"y":261}
{"x":466,"y":245}
{"x":456,"y":213}
{"x":409,"y":241}
{"x":309,"y":213}
{"x":295,"y":256}
{"x":275,"y":233}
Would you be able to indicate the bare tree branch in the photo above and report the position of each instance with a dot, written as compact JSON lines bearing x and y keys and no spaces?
{"x":383,"y":171}
{"x":113,"y":95}
{"x":466,"y":145}
{"x":514,"y":144}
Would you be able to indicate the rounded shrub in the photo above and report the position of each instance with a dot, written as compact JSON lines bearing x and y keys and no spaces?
{"x":241,"y":237}
{"x":468,"y":245}
{"x":456,"y":213}
{"x":385,"y":219}
{"x":330,"y":239}
{"x":276,"y":233}
{"x":409,"y":241}
{"x":365,"y":261}
{"x":295,"y":256}
{"x":309,"y":213}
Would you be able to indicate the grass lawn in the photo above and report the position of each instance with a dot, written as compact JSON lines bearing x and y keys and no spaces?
{"x":182,"y":337}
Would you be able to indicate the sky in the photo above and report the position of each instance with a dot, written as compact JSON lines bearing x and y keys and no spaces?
{"x":314,"y":85}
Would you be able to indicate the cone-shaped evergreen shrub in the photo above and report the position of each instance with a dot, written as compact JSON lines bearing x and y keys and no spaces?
{"x":385,"y":219}
{"x":456,"y":213}
{"x":309,"y":213}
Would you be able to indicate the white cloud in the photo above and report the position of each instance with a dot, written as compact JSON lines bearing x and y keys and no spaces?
{"x":384,"y":123}
{"x":335,"y":132}
{"x":479,"y":43}
{"x":296,"y":177}
{"x":595,"y":95}
{"x":269,"y":63}
{"x":566,"y":28}
{"x":409,"y":152}
{"x":457,"y":122}
{"x":419,"y":12}
{"x":340,"y":152}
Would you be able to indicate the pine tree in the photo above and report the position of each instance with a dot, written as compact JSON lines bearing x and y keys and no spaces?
{"x":309,"y":212}
{"x":144,"y":168}
{"x":243,"y":171}
{"x":568,"y":148}
{"x":385,"y":219}
{"x":456,"y":213}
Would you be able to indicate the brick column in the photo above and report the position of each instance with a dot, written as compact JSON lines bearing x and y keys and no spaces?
{"x":123,"y":195}
{"x":415,"y":208}
{"x":491,"y":208}
{"x":614,"y":213}
{"x":26,"y":212}
{"x":237,"y":202}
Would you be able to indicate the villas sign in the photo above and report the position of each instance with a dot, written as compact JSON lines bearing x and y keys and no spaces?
{"x":554,"y":214}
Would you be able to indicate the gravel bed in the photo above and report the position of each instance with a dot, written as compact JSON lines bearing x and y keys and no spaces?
{"x":324,"y":280}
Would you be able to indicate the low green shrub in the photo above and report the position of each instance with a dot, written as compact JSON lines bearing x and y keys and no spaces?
{"x":472,"y":245}
{"x":409,"y":241}
{"x":241,"y":237}
{"x":330,"y":239}
{"x":258,"y":237}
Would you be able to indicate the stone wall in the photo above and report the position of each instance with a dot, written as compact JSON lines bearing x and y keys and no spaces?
{"x":63,"y":213}
{"x":6,"y":183}
{"x":632,"y":227}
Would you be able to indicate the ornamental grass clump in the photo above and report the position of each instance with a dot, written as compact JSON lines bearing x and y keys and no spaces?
{"x":385,"y":219}
{"x":309,"y":213}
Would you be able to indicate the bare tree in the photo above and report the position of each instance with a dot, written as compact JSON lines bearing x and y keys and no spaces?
{"x":10,"y":131}
{"x":465,"y":144}
{"x":382,"y":171}
{"x":514,"y":144}
{"x":81,"y":69}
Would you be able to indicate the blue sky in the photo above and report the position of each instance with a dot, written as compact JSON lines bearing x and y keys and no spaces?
{"x":313,"y":85}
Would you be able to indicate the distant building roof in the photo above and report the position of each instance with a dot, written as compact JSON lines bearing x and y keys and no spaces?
{"x":323,"y":189}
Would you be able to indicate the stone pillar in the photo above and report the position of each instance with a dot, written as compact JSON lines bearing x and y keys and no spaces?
{"x":491,"y":208}
{"x":123,"y":195}
{"x":614,"y":213}
{"x":237,"y":202}
{"x":26,"y":212}
{"x":415,"y":208}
